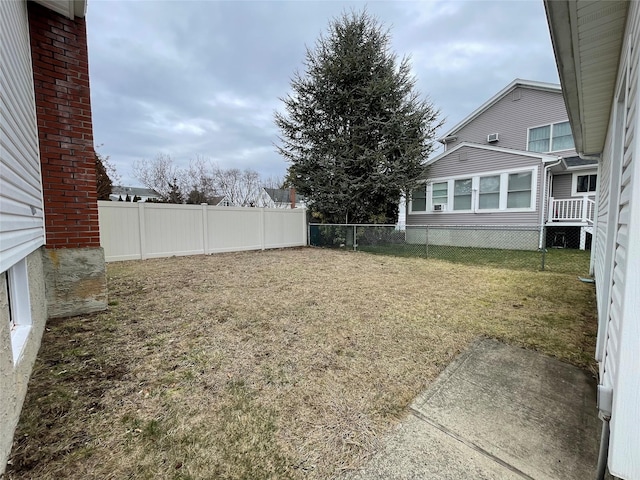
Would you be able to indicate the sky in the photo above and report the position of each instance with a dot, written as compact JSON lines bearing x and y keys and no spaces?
{"x":204,"y":78}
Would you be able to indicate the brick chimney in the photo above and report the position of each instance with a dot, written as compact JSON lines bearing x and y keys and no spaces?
{"x":292,"y":197}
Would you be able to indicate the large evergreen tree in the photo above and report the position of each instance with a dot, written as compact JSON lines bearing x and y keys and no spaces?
{"x":355,"y":131}
{"x":104,"y":184}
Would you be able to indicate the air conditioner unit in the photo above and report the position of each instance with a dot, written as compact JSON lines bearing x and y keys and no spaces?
{"x":492,"y":138}
{"x":440,"y":207}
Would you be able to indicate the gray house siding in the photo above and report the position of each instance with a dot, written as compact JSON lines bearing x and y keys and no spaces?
{"x":561,"y":186}
{"x":512,"y":115}
{"x":471,"y":161}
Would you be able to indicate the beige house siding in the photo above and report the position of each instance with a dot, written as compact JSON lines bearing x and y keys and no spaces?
{"x":512,"y":115}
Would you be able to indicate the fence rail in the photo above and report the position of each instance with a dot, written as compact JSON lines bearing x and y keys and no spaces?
{"x":135,"y":231}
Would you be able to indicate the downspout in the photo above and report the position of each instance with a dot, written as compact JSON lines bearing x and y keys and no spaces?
{"x":545,"y":200}
{"x":603,"y":454}
{"x":598,"y":158}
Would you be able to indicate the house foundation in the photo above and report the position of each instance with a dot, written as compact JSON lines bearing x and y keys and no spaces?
{"x":16,"y":362}
{"x":75,"y":281}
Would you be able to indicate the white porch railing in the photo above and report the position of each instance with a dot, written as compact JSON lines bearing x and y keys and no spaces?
{"x":572,"y":210}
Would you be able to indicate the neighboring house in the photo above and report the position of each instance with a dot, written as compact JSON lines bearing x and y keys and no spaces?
{"x":597,"y":48}
{"x":280,"y":198}
{"x":118,"y":192}
{"x":510,"y":162}
{"x":51,"y":262}
{"x":220,"y":201}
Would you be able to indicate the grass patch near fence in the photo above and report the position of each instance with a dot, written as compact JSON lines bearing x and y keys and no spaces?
{"x":555,"y":260}
{"x":276,"y":364}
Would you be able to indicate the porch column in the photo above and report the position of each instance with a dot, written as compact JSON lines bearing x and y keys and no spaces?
{"x":583,"y":238}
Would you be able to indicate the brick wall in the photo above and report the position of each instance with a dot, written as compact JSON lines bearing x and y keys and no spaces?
{"x":63,"y":106}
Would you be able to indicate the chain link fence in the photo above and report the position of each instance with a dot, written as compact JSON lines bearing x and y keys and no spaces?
{"x":516,"y":246}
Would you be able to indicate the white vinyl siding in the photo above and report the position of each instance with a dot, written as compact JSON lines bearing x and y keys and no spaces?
{"x":21,"y":210}
{"x":617,"y":262}
{"x":555,"y":137}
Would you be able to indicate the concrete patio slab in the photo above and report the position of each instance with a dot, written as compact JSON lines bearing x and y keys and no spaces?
{"x":496,"y":412}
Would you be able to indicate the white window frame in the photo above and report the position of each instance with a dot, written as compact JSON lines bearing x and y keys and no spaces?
{"x":504,"y":185}
{"x":447,"y":204}
{"x":20,"y":321}
{"x":574,"y":183}
{"x":550,"y":125}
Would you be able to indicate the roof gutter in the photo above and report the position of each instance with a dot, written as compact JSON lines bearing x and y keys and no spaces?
{"x":447,"y":140}
{"x":596,"y":156}
{"x":561,"y":29}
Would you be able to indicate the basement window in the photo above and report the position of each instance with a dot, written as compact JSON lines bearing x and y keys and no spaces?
{"x":16,"y":306}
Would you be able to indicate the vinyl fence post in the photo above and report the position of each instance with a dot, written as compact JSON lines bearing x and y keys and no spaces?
{"x":205,"y":229}
{"x":141,"y":230}
{"x":262,"y":229}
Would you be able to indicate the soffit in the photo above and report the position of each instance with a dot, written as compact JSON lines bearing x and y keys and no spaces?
{"x":68,"y":8}
{"x":587,"y":38}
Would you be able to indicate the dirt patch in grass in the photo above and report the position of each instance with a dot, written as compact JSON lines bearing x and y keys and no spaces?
{"x":275,"y":364}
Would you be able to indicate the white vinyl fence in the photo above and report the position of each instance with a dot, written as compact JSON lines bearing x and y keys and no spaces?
{"x":134,"y":231}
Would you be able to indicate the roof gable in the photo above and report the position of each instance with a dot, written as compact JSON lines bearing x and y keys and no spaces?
{"x":281,"y":195}
{"x":131,"y":191}
{"x":543,"y":157}
{"x":549,"y":87}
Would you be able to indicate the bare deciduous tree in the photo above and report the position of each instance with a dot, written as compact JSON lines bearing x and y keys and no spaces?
{"x":202,"y":181}
{"x":159,"y":174}
{"x":240,"y":187}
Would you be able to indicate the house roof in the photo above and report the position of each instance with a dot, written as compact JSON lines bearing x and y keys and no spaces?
{"x":577,"y":162}
{"x":550,"y":87}
{"x":542,"y":156}
{"x":131,"y":191}
{"x":216,"y":200}
{"x":587,"y":39}
{"x":281,"y":195}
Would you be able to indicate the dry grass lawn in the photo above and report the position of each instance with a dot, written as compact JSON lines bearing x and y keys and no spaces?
{"x":276,"y":364}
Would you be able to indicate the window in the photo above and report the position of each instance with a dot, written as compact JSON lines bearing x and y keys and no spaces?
{"x":419,"y":199}
{"x":16,"y":306}
{"x":462,"y":194}
{"x":483,"y":193}
{"x":584,"y":183}
{"x":489,"y":192}
{"x":440,"y":194}
{"x":519,"y":190}
{"x":550,"y":138}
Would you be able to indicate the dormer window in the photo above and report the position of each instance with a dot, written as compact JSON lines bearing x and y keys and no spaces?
{"x":554,"y":137}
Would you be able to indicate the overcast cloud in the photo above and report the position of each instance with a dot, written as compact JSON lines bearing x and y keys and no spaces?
{"x":191,"y":78}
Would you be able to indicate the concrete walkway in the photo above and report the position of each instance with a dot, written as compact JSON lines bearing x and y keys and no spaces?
{"x":497,"y":412}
